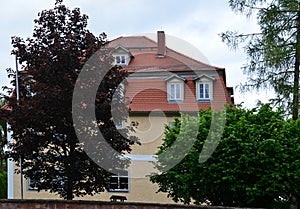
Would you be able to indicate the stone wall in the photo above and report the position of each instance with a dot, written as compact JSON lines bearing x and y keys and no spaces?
{"x":77,"y":204}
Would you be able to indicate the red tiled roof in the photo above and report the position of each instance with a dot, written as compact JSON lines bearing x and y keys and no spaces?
{"x":138,"y":45}
{"x":5,"y":107}
{"x":133,"y":42}
{"x":149,"y":93}
{"x":150,"y":62}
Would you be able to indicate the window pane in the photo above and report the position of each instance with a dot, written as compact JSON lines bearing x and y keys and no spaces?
{"x":175,"y":91}
{"x":172,"y":92}
{"x":123,"y":183}
{"x":201,"y":92}
{"x":119,"y":182}
{"x":178,"y":91}
{"x":123,"y":59}
{"x":119,"y":124}
{"x":118,"y":60}
{"x":30,"y":185}
{"x":207,"y":90}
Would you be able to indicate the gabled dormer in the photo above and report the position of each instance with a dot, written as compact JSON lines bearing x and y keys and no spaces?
{"x":204,"y":88}
{"x":122,"y":56}
{"x":175,"y":89}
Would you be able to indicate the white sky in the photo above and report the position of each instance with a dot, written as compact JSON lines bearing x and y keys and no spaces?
{"x":196,"y":21}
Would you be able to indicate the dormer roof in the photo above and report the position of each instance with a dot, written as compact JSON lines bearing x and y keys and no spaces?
{"x":174,"y":77}
{"x":203,"y":77}
{"x":121,"y":50}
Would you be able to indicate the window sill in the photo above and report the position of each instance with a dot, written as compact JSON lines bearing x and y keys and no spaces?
{"x":118,"y":191}
{"x":204,"y":100}
{"x":175,"y":102}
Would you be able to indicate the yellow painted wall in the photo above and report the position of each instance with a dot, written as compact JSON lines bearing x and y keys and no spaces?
{"x":150,"y":130}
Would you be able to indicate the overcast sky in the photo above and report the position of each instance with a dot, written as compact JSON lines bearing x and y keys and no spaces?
{"x":197,"y":21}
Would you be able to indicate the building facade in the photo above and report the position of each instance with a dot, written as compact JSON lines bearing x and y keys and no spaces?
{"x":162,"y":82}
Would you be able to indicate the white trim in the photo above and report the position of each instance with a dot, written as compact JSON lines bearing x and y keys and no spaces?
{"x":174,"y":77}
{"x":121,"y":176}
{"x":201,"y":77}
{"x":120,"y":47}
{"x":30,"y":188}
{"x":120,"y":59}
{"x":149,"y":158}
{"x":10,"y":168}
{"x":172,"y":91}
{"x":208,"y":84}
{"x":119,"y":124}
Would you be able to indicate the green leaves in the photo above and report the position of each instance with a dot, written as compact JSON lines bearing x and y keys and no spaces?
{"x":3,"y":184}
{"x":273,"y":51}
{"x":254,"y":165}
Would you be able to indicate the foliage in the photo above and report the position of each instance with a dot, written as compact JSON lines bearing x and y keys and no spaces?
{"x":274,"y":51}
{"x":256,"y":163}
{"x":3,"y":184}
{"x":41,"y":121}
{"x":3,"y":133}
{"x":3,"y":175}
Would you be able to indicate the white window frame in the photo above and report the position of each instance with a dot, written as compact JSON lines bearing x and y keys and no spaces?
{"x":120,"y":124}
{"x":178,"y":93}
{"x":119,"y":177}
{"x":120,"y":59}
{"x":205,"y":84}
{"x":29,"y":187}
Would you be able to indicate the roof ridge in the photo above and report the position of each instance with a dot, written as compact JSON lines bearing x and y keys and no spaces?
{"x":195,"y":60}
{"x":135,"y":36}
{"x":170,"y":49}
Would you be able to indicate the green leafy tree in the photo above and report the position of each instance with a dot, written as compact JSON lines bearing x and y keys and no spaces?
{"x":256,"y":163}
{"x":274,"y":51}
{"x":3,"y":184}
{"x":41,"y":121}
{"x":3,"y":175}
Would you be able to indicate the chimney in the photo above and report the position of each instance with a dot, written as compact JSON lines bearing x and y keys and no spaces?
{"x":161,"y":44}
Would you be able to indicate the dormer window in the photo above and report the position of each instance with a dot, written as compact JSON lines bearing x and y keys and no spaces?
{"x":122,"y":56}
{"x":120,"y":60}
{"x":175,"y":89}
{"x":204,"y":88}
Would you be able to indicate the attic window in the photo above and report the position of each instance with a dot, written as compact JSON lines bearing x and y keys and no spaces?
{"x":120,"y":60}
{"x":204,"y":91}
{"x":204,"y":88}
{"x":175,"y":89}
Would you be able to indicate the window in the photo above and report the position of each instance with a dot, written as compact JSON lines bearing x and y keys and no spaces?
{"x":119,"y":183}
{"x":28,"y":84}
{"x":120,"y":60}
{"x":119,"y":124}
{"x":175,"y":92}
{"x":29,"y":185}
{"x":204,"y":91}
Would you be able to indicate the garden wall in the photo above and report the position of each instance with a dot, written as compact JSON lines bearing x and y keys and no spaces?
{"x":77,"y":204}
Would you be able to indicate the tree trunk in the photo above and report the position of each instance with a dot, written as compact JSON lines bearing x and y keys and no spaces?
{"x":295,"y":110}
{"x":69,"y":173}
{"x":69,"y":189}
